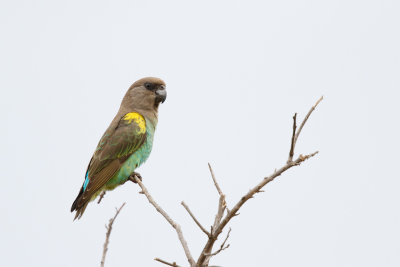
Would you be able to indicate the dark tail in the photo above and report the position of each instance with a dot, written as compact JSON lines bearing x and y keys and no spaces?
{"x":79,"y":205}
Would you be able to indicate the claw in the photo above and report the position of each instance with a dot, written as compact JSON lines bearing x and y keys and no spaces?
{"x":133,"y":175}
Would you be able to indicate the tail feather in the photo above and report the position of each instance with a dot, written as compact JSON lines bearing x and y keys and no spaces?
{"x":80,"y":211}
{"x":79,"y":206}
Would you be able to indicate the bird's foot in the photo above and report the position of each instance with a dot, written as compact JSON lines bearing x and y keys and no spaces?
{"x":135,"y":175}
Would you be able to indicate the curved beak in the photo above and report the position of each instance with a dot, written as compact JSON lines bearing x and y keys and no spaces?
{"x":161,"y":94}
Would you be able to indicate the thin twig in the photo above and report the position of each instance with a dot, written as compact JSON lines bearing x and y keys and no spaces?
{"x":222,"y":247}
{"x":215,"y":180}
{"x":109,"y":229}
{"x":217,"y":185}
{"x":291,"y":152}
{"x":176,"y":226}
{"x":195,"y":219}
{"x":101,"y":196}
{"x":305,"y":119}
{"x":167,"y":263}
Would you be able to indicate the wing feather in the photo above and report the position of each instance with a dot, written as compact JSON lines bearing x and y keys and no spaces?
{"x":115,"y":146}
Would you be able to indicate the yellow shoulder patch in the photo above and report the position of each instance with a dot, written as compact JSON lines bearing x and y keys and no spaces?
{"x":139,"y":120}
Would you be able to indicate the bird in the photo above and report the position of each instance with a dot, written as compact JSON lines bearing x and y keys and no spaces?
{"x":126,"y":143}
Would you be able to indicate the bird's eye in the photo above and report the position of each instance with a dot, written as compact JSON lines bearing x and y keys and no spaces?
{"x":148,"y":86}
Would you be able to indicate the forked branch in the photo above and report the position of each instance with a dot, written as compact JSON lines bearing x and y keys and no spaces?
{"x":217,"y":230}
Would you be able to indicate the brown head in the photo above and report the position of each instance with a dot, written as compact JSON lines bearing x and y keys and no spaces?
{"x":145,"y":95}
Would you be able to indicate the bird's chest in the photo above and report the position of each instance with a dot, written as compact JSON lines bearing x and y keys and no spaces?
{"x":144,"y":151}
{"x":141,"y":155}
{"x":137,"y":158}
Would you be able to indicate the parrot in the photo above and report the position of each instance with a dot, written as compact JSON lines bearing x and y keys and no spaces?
{"x":126,"y":143}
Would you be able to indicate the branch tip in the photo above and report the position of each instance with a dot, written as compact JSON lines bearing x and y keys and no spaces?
{"x":306,"y":118}
{"x":215,"y":181}
{"x":195,"y":219}
{"x":108,"y":233}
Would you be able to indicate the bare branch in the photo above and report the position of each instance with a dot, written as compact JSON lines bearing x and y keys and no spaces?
{"x":176,"y":226}
{"x":167,"y":263}
{"x":291,"y":152}
{"x":218,"y":251}
{"x":222,"y":247}
{"x":217,"y":185}
{"x":218,"y":227}
{"x":215,"y":180}
{"x":195,"y":219}
{"x":109,"y":229}
{"x":243,"y":200}
{"x":220,"y":213}
{"x":305,"y":120}
{"x":101,"y":196}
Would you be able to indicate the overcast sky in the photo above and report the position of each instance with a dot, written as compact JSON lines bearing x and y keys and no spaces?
{"x":236,"y":71}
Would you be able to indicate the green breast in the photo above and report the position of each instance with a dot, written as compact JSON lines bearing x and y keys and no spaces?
{"x":134,"y":161}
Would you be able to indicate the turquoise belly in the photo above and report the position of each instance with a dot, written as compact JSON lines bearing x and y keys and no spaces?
{"x":134,"y":161}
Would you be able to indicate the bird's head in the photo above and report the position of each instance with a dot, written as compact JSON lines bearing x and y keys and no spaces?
{"x":146,"y":94}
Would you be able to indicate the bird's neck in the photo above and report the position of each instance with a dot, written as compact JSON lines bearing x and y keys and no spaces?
{"x":150,"y":114}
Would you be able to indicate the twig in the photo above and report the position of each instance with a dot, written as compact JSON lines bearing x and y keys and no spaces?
{"x":176,"y":226}
{"x":167,"y":263}
{"x":305,"y":119}
{"x":291,"y":152}
{"x":220,"y":213}
{"x":215,"y":180}
{"x":222,"y":247}
{"x":101,"y":196}
{"x":221,"y":203}
{"x":195,"y":219}
{"x":217,"y":186}
{"x":109,"y":229}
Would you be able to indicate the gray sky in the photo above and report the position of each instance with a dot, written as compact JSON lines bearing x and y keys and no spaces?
{"x":236,"y":71}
